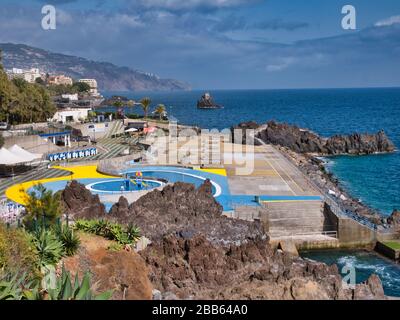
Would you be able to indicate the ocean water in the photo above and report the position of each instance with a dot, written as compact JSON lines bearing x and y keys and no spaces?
{"x":373,"y":179}
{"x":364,"y":263}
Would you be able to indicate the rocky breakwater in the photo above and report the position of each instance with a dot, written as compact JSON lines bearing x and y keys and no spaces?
{"x":304,"y":141}
{"x":196,"y":253}
{"x":303,"y":147}
{"x":394,"y":220}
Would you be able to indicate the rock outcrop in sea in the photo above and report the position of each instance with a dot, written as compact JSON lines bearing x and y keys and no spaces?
{"x":304,"y":141}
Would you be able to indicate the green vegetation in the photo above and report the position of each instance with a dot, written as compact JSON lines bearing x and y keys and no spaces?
{"x":145,"y":102}
{"x":29,"y":255}
{"x":50,"y":249}
{"x":160,"y":110}
{"x":17,"y":252}
{"x":65,"y":290}
{"x":42,"y":206}
{"x":113,"y":231}
{"x":1,"y":140}
{"x":395,"y":245}
{"x":22,"y":102}
{"x":69,"y":239}
{"x":18,"y":287}
{"x":76,"y":87}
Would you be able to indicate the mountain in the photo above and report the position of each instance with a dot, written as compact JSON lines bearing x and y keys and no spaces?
{"x":108,"y":76}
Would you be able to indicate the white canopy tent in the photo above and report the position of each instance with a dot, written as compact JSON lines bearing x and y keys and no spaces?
{"x":9,"y":158}
{"x":24,"y":154}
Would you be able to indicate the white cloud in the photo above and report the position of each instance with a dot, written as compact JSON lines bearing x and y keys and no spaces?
{"x":388,"y":21}
{"x":281,"y":64}
{"x":188,"y":4}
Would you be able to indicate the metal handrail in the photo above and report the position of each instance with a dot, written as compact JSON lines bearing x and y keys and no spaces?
{"x":332,"y":234}
{"x":334,"y":206}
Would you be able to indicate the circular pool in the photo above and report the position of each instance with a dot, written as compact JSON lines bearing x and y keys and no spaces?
{"x":122,"y":185}
{"x":172,"y":176}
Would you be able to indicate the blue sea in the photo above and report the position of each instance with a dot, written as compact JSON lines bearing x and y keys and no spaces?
{"x":373,"y":179}
{"x":365,"y":264}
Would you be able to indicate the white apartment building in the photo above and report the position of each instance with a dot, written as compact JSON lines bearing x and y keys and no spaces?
{"x":93,"y":86}
{"x":28,"y":75}
{"x":70,"y":97}
{"x":71,"y":115}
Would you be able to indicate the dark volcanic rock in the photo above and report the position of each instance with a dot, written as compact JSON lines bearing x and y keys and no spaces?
{"x":370,"y":290}
{"x":181,"y":208}
{"x":207,"y":102}
{"x":121,"y":208}
{"x":239,"y":134}
{"x":394,"y":218}
{"x":78,"y":202}
{"x":359,"y":144}
{"x":196,"y":268}
{"x":304,"y":141}
{"x":292,"y":137}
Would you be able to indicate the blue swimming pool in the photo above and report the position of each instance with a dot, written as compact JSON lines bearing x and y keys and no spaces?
{"x":172,"y":176}
{"x":122,"y":185}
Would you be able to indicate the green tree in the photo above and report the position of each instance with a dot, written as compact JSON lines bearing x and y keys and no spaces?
{"x":160,"y":110}
{"x":80,"y":87}
{"x":91,"y":114}
{"x":22,"y":102}
{"x":39,"y":81}
{"x":43,"y":207}
{"x":145,"y":102}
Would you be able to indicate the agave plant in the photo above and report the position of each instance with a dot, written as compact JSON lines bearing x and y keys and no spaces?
{"x":17,"y":287}
{"x":50,"y":249}
{"x":69,"y":239}
{"x":65,"y":290}
{"x":10,"y":287}
{"x":133,"y":233}
{"x":112,"y":231}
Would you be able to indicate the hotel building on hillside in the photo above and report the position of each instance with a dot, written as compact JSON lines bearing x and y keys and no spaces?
{"x":29,"y":75}
{"x":93,"y":86}
{"x":60,"y":80}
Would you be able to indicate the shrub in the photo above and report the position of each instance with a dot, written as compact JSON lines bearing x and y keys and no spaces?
{"x":43,"y":208}
{"x":49,"y":247}
{"x":65,"y":290}
{"x":69,"y":239}
{"x":17,"y":252}
{"x":17,"y":287}
{"x":110,"y":230}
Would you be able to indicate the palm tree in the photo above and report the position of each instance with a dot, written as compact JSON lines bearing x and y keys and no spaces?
{"x":160,"y":110}
{"x":118,"y":104}
{"x":130,"y":104}
{"x":145,"y":102}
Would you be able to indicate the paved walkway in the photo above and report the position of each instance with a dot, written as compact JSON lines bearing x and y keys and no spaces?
{"x":38,"y":174}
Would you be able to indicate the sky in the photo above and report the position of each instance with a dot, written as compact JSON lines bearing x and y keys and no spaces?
{"x":223,"y":44}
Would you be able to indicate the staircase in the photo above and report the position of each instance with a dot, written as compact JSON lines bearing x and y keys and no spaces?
{"x":115,"y":127}
{"x":295,"y":218}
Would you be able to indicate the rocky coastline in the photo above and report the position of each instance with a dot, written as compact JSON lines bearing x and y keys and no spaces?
{"x":198,"y":254}
{"x":306,"y":149}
